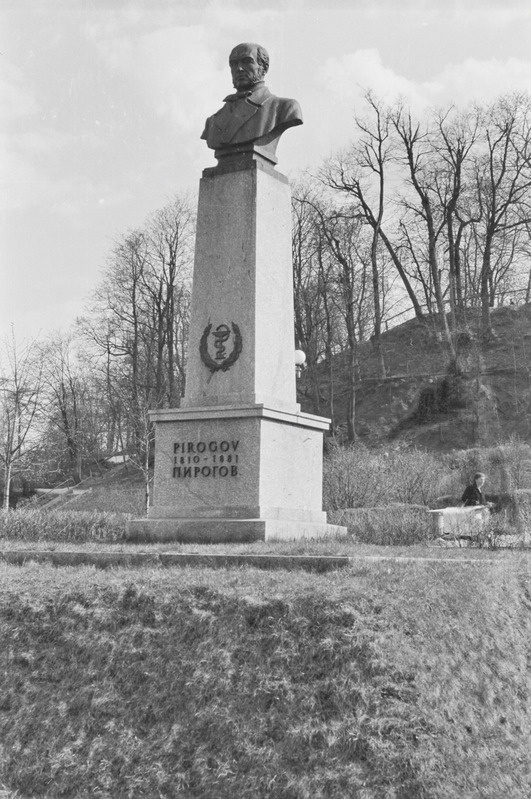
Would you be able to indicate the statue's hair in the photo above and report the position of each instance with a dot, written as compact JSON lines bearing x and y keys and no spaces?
{"x":262,"y":56}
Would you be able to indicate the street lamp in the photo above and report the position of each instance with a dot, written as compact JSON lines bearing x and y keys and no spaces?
{"x":300,"y":361}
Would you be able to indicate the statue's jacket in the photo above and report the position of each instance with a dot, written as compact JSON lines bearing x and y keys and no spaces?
{"x":247,"y":118}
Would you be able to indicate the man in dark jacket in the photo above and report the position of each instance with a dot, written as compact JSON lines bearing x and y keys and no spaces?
{"x":473,"y":495}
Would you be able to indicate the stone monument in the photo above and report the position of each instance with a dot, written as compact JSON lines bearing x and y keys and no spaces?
{"x":238,"y":461}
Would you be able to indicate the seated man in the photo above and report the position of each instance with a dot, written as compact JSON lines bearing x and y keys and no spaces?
{"x":252,"y":115}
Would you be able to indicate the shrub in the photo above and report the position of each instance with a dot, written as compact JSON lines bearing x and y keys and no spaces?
{"x":393,"y":525}
{"x":62,"y":525}
{"x":508,"y":467}
{"x":499,"y":533}
{"x":414,"y":476}
{"x":351,"y":477}
{"x":357,"y":477}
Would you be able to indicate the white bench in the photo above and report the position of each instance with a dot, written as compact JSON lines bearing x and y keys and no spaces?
{"x":459,"y":522}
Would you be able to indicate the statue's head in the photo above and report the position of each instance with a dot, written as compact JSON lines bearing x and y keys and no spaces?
{"x":248,"y":63}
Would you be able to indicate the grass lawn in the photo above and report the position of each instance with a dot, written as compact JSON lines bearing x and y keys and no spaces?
{"x":104,"y":531}
{"x":334,"y":546}
{"x":388,"y":679}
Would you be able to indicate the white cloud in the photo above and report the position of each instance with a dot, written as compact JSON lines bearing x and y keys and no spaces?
{"x":182,"y":69}
{"x":484,"y":80}
{"x":88,"y":197}
{"x":492,"y":13}
{"x":38,"y":142}
{"x":27,"y":167}
{"x":348,"y":77}
{"x":175,"y":70}
{"x":16,"y":101}
{"x":26,"y":185}
{"x":236,"y":16}
{"x":329,"y":106}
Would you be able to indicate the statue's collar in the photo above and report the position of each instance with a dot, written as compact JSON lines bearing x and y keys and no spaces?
{"x":254,"y":95}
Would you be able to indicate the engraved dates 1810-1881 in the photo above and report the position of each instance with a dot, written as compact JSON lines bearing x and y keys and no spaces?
{"x":205,"y":459}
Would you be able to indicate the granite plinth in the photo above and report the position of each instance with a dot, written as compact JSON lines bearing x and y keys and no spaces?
{"x":242,"y":301}
{"x":236,"y":474}
{"x":239,"y":461}
{"x":223,"y":531}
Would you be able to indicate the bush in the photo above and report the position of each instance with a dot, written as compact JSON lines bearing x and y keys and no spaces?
{"x":393,"y":525}
{"x":498,"y":533}
{"x":62,"y":525}
{"x":357,"y":477}
{"x":508,"y":467}
{"x":351,"y":478}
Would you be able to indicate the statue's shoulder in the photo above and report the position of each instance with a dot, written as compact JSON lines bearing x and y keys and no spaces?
{"x":289,"y":109}
{"x":289,"y":104}
{"x":285,"y":107}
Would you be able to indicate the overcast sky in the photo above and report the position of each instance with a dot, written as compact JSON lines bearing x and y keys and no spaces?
{"x":102,"y":104}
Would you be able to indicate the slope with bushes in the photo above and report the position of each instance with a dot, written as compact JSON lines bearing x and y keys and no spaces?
{"x":427,"y":400}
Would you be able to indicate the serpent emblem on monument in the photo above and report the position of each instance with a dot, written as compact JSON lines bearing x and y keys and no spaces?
{"x":218,"y":340}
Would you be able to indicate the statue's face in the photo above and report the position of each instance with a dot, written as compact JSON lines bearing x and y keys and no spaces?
{"x":244,"y":67}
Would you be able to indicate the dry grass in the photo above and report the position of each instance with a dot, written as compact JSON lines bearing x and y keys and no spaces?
{"x":36,"y":524}
{"x":407,"y":682}
{"x":127,"y":498}
{"x":392,"y":525}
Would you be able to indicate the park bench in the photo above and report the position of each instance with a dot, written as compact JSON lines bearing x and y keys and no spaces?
{"x":462,"y":525}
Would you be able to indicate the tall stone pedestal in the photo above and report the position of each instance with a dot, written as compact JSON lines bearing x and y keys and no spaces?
{"x":239,"y":461}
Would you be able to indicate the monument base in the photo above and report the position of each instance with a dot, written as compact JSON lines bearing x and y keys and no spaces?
{"x":236,"y":474}
{"x":227,"y":531}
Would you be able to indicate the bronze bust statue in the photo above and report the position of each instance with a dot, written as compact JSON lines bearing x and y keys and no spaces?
{"x":252,"y":117}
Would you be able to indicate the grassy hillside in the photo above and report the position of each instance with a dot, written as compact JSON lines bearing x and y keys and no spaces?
{"x":494,"y":391}
{"x":407,"y":682}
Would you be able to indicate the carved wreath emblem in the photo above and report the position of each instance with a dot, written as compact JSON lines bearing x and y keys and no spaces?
{"x":220,"y":361}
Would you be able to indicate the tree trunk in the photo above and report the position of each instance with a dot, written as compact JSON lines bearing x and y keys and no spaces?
{"x":71,"y":439}
{"x":486,"y":322}
{"x":376,"y":302}
{"x":351,"y":407}
{"x":146,"y":467}
{"x":7,"y":486}
{"x":452,"y":277}
{"x":404,"y":278}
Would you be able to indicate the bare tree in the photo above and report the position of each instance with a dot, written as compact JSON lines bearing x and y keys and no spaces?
{"x":341,"y":233}
{"x":79,"y":417}
{"x":312,"y":284}
{"x":376,"y":150}
{"x":21,"y":379}
{"x":424,"y":206}
{"x":139,"y":321}
{"x":503,"y":184}
{"x":363,"y":172}
{"x":170,"y":235}
{"x":454,"y":138}
{"x":63,"y":385}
